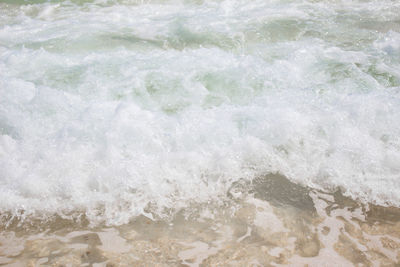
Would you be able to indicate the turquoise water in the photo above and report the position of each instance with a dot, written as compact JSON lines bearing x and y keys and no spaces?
{"x":116,"y":109}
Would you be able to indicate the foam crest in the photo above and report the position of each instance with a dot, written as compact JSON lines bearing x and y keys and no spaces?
{"x":119,"y":109}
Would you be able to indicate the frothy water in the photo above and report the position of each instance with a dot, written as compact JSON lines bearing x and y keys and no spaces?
{"x":116,"y":109}
{"x":305,"y":227}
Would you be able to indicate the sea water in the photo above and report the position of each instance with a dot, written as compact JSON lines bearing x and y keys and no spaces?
{"x":114,"y":110}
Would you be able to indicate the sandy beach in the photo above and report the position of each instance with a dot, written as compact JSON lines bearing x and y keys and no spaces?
{"x":199,"y":133}
{"x":271,"y":222}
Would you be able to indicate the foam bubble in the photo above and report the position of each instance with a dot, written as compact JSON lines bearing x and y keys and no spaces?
{"x":116,"y":109}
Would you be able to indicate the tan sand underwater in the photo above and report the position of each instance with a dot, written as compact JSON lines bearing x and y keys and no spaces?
{"x":292,"y":226}
{"x":199,"y":133}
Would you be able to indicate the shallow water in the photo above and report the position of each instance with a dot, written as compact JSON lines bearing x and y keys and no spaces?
{"x":114,"y":113}
{"x":111,"y":108}
{"x":294,"y":226}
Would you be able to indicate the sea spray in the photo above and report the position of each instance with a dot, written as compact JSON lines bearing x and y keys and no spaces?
{"x":116,"y":109}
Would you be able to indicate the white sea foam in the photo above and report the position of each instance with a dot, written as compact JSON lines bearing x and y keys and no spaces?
{"x":119,"y":108}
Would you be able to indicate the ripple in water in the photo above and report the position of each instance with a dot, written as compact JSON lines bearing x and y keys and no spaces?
{"x":186,"y":114}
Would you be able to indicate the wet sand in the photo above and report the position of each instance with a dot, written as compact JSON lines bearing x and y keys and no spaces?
{"x":270,"y":222}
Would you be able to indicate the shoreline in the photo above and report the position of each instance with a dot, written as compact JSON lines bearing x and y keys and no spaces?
{"x":274,"y":223}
